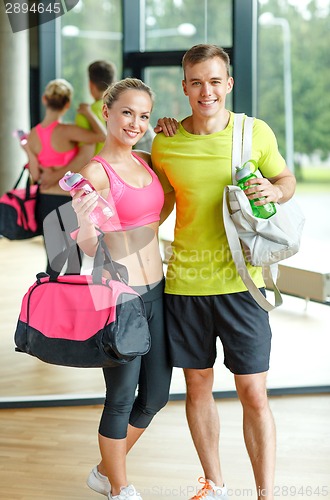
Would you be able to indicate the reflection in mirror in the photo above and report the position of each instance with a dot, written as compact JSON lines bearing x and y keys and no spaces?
{"x":23,"y":376}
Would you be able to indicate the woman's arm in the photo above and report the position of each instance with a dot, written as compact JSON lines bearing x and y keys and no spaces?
{"x":83,"y":205}
{"x":34,"y":166}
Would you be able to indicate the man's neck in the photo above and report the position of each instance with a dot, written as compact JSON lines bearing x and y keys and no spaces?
{"x":210,"y":125}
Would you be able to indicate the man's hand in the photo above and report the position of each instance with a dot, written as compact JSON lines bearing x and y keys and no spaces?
{"x":168,"y":126}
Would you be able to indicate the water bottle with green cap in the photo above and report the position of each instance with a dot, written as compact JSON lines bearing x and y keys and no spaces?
{"x":244,"y":174}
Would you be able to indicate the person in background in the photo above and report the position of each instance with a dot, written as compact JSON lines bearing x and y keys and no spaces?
{"x":101,"y":74}
{"x":205,"y":297}
{"x":51,"y":145}
{"x":133,"y":190}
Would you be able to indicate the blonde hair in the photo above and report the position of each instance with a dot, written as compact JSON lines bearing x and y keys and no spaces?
{"x":114,"y":91}
{"x":203,"y":52}
{"x":58,"y":93}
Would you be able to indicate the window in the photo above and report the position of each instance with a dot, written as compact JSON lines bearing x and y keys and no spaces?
{"x":179,"y":24}
{"x":89,"y":32}
{"x":293,"y":76}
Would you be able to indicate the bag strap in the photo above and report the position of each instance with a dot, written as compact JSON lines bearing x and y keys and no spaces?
{"x":103,"y":260}
{"x":236,"y":153}
{"x":241,"y":153}
{"x":239,"y":260}
{"x":27,"y":184}
{"x":242,"y":142}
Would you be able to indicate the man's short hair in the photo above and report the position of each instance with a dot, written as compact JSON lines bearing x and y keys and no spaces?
{"x":203,"y":52}
{"x":102,"y":74}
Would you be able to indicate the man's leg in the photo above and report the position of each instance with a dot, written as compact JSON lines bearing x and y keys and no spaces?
{"x":259,"y":430}
{"x":203,"y":421}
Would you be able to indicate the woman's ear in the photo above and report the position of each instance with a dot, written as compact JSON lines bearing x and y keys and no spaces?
{"x":105,"y":112}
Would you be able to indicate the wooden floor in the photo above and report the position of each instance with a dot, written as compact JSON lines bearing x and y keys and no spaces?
{"x":48,"y":452}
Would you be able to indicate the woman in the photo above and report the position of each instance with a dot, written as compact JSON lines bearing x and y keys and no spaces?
{"x":134,"y":192}
{"x":52,"y":145}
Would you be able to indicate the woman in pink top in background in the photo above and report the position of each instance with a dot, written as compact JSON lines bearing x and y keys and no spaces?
{"x":51,"y":145}
{"x":135,"y":193}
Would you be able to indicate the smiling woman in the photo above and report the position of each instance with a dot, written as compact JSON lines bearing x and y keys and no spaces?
{"x":134,"y":192}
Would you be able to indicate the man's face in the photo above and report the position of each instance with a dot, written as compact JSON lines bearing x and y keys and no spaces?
{"x":207,"y":84}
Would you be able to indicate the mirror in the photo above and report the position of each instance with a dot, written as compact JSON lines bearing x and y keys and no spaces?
{"x":25,"y":379}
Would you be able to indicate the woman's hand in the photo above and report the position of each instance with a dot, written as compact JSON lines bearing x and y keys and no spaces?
{"x":84,"y":109}
{"x":83,"y":205}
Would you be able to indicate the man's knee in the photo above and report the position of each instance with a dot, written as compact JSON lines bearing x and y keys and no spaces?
{"x":252,"y":391}
{"x":199,"y":382}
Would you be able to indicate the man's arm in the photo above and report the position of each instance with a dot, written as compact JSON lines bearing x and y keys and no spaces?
{"x":277,"y":189}
{"x":168,"y":126}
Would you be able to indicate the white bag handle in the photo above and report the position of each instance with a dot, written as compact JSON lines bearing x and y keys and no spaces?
{"x":241,"y":152}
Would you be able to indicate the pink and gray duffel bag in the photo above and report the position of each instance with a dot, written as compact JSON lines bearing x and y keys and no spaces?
{"x":82,"y":321}
{"x":18,"y":210}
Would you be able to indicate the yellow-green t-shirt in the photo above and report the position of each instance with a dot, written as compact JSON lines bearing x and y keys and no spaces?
{"x":197,"y":168}
{"x":82,"y":121}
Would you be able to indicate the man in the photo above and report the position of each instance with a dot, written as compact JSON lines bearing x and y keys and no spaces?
{"x":101,"y":74}
{"x":202,"y":284}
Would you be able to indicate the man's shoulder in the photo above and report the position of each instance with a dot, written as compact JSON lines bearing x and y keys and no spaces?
{"x":261,"y":129}
{"x":82,"y":121}
{"x":96,"y":108}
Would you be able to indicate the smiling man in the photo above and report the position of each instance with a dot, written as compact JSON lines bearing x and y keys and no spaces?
{"x":205,"y":297}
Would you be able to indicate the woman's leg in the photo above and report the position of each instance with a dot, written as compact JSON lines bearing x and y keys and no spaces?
{"x":156,"y":370}
{"x":154,"y":380}
{"x":121,"y":383}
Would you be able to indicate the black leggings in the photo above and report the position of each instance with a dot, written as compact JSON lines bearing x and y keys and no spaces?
{"x":151,"y":373}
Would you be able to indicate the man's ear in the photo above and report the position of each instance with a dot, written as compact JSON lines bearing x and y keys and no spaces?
{"x":184,"y":87}
{"x":230,"y":84}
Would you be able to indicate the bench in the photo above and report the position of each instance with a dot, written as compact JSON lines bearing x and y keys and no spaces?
{"x":304,"y":283}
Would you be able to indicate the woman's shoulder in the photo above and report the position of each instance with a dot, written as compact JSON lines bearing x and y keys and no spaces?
{"x":144,"y":155}
{"x":95,"y":173}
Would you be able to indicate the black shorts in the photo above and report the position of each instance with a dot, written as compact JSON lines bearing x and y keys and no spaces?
{"x":193,"y":324}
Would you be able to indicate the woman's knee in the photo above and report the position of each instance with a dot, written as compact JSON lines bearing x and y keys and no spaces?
{"x":151,"y":404}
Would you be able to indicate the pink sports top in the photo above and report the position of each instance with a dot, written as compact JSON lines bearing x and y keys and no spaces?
{"x":48,"y":156}
{"x":134,"y":207}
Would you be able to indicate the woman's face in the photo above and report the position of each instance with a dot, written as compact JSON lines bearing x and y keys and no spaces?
{"x":129,"y":116}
